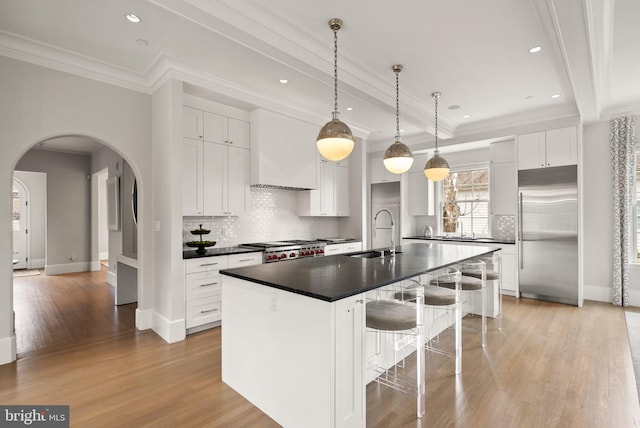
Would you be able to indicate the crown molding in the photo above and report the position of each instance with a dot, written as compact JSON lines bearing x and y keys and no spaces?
{"x":48,"y":56}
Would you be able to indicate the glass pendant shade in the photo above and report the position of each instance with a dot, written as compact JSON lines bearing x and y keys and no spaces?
{"x":335,"y":141}
{"x":398,"y":158}
{"x":436,"y":168}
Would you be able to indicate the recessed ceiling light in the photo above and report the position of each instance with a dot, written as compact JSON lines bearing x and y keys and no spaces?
{"x":402,"y":130}
{"x":454,"y":107}
{"x":535,"y":49}
{"x":349,"y":108}
{"x":284,"y":81}
{"x":142,"y":42}
{"x":467,"y":116}
{"x":133,"y":18}
{"x":555,"y":96}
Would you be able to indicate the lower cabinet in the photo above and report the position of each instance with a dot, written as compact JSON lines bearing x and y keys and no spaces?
{"x":203,"y":288}
{"x":342,"y":248}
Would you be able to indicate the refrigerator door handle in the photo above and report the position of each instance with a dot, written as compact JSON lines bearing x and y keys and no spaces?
{"x":520,"y":234}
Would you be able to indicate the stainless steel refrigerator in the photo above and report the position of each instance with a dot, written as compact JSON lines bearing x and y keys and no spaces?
{"x":548,"y":233}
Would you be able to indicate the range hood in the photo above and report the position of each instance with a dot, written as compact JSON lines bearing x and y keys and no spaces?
{"x":283,"y":152}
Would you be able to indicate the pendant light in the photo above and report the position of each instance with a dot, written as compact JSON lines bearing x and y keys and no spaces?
{"x":398,"y":157}
{"x":335,"y":141}
{"x":437,"y":167}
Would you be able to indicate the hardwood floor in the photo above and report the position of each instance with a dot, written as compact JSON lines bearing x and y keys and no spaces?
{"x":552,"y":365}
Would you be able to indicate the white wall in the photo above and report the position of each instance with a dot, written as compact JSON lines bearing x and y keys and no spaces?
{"x":39,"y":103}
{"x":36,"y":183}
{"x":68,"y":208}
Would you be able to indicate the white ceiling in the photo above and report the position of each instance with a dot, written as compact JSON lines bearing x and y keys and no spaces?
{"x":235,"y":51}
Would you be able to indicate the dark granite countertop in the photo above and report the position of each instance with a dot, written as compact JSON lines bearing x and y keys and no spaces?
{"x":458,"y":239}
{"x":332,"y":278}
{"x":218,"y":251}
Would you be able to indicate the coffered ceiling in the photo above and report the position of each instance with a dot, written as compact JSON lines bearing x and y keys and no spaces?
{"x":476,"y":53}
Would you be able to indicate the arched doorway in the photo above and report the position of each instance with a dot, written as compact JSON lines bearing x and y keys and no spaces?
{"x":70,"y":162}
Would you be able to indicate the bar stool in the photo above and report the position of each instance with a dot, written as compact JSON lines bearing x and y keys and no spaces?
{"x":442,"y":296}
{"x":493,"y":265}
{"x":402,"y":321}
{"x":470,"y":288}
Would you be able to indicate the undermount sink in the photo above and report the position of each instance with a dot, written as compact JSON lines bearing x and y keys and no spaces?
{"x":373,"y":254}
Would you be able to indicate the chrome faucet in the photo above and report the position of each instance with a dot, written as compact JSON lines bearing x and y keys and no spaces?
{"x":424,"y":232}
{"x":392,"y":249}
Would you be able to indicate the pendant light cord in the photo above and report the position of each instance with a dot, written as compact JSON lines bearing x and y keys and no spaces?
{"x":436,"y":95}
{"x":397,"y":106}
{"x":335,"y":70}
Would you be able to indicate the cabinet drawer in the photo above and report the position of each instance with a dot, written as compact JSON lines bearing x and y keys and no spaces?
{"x":246,"y":259}
{"x":203,"y":311}
{"x":206,"y":264}
{"x":203,"y":284}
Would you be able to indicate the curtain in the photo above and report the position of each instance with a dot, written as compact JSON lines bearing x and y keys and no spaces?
{"x":622,"y":143}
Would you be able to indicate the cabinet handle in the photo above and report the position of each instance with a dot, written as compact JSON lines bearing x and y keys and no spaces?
{"x":209,"y":284}
{"x":244,"y":260}
{"x":360,"y":301}
{"x":208,"y":264}
{"x":230,"y":142}
{"x":208,"y":310}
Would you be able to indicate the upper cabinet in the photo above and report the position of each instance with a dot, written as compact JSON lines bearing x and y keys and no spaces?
{"x":502,"y":151}
{"x":421,"y":190}
{"x":555,"y":147}
{"x":332,"y":197}
{"x":379,"y":173}
{"x":216,"y":164}
{"x":283,"y":151}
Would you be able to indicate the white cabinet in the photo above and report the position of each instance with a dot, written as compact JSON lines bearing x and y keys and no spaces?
{"x":215,"y":163}
{"x":226,"y":130}
{"x":503,"y":188}
{"x":332,"y":196}
{"x":342,"y":248}
{"x":502,"y":152}
{"x":226,"y":179}
{"x":203,"y":287}
{"x":379,"y":173}
{"x":421,"y":194}
{"x":554,"y":147}
{"x":192,"y":172}
{"x":192,"y":123}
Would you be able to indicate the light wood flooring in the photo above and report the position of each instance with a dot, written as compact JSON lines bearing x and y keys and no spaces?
{"x":551,"y":365}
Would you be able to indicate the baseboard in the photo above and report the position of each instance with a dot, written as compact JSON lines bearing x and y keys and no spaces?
{"x":598,"y":294}
{"x":95,"y":266}
{"x":67,"y":268}
{"x":144,"y":319}
{"x":112,"y":278}
{"x":37,"y":263}
{"x":7,"y":349}
{"x":104,"y":256}
{"x":170,"y":331}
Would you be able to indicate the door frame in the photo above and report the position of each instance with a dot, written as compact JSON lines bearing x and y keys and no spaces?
{"x":26,"y":223}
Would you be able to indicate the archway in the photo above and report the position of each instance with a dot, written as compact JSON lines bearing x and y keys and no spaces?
{"x":70,"y":243}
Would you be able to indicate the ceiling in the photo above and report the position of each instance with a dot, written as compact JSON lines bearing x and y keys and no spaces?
{"x":476,"y":53}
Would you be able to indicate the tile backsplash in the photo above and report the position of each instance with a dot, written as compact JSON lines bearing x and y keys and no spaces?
{"x":504,"y":227}
{"x":273,"y":216}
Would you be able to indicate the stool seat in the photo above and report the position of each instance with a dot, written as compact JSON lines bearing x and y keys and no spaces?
{"x":467,"y":283}
{"x":391,"y":316}
{"x":491,"y":275}
{"x":433,"y":296}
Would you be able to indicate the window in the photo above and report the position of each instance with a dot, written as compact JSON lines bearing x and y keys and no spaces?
{"x":465,"y":202}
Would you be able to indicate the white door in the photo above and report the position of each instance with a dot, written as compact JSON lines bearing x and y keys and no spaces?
{"x":19,"y":218}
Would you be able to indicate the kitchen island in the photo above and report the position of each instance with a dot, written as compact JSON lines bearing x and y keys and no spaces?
{"x":293,"y":333}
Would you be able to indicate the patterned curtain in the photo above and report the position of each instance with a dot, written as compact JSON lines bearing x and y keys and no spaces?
{"x":622,"y":142}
